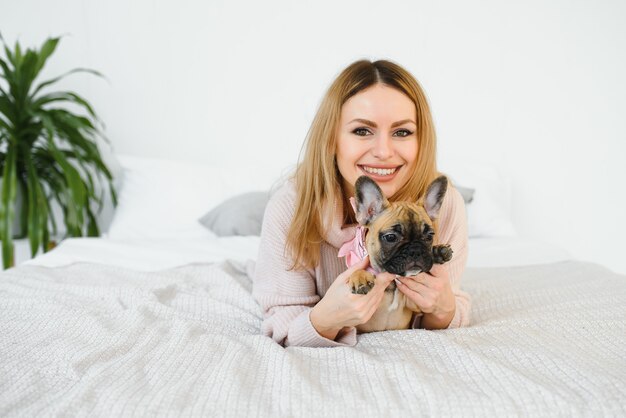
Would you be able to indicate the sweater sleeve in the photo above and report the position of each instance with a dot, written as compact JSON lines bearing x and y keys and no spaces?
{"x":287,"y":296}
{"x":453,"y":231}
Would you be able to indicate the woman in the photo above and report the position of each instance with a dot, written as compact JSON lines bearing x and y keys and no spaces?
{"x":375,"y":121}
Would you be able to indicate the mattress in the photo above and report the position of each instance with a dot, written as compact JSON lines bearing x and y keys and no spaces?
{"x":119,"y":328}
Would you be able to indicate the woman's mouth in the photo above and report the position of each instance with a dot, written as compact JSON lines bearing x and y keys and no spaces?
{"x":379,"y":173}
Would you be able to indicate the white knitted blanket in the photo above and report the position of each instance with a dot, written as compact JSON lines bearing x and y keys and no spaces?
{"x":96,"y":340}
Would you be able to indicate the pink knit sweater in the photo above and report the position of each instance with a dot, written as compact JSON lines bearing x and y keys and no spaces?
{"x":286,"y":297}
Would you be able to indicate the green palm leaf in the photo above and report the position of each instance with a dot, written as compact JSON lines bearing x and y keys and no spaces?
{"x":9,"y":184}
{"x":54,"y":80}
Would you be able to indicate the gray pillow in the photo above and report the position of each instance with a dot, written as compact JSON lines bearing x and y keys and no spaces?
{"x":468,"y":194}
{"x":239,"y":215}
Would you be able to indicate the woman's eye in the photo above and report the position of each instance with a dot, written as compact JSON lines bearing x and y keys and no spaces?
{"x":390,"y":237}
{"x":403,"y":132}
{"x":360,"y":131}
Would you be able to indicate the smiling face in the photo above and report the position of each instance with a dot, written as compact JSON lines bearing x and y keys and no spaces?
{"x":377,"y":138}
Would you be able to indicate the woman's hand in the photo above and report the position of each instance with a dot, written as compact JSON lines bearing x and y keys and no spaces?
{"x":341,"y":308}
{"x":432,"y":293}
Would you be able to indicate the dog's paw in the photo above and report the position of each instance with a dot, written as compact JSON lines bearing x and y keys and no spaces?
{"x":442,"y":253}
{"x":361,"y":282}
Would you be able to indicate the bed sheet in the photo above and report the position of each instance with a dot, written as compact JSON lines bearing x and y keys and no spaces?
{"x":102,"y":340}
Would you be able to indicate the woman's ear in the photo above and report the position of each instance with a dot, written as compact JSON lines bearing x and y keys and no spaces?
{"x":370,"y":200}
{"x":434,"y":196}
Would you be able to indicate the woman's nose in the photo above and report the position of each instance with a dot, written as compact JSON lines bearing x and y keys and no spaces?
{"x":382,"y":147}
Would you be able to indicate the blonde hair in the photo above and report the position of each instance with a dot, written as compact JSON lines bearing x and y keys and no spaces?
{"x":317,"y":178}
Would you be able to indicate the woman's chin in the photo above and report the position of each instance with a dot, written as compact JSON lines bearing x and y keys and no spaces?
{"x":388,"y":189}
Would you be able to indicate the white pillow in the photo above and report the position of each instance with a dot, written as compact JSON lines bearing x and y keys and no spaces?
{"x":489,"y":213}
{"x":164,"y":198}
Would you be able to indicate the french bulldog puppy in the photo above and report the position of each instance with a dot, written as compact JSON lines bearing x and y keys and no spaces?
{"x":399,"y":239}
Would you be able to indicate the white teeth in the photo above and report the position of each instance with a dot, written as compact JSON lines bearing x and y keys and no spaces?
{"x":380,"y":171}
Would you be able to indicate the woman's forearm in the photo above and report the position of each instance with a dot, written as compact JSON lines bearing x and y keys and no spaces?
{"x":437,"y":321}
{"x":325,"y":331}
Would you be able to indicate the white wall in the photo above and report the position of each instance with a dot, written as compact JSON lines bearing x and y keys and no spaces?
{"x":535,"y":87}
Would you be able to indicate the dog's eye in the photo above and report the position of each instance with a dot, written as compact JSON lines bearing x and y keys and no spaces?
{"x":429,"y":233}
{"x":390,"y":238}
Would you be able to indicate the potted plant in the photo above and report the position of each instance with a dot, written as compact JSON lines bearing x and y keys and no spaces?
{"x":47,"y":153}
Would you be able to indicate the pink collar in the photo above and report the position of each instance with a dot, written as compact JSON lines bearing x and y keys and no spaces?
{"x":355,"y":250}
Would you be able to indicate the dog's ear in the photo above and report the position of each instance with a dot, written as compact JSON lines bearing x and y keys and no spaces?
{"x":370,"y":201}
{"x":434,"y":196}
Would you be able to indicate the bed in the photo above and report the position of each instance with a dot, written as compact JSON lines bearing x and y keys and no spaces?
{"x":137,"y":325}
